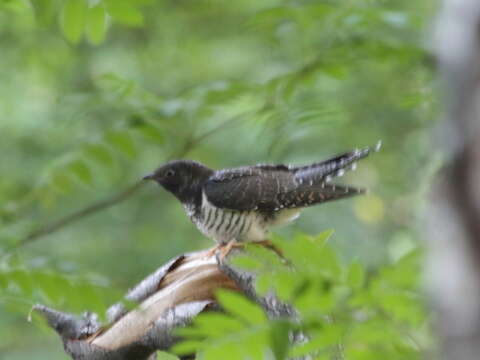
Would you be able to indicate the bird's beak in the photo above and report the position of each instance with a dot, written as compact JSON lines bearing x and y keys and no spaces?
{"x":148,"y":177}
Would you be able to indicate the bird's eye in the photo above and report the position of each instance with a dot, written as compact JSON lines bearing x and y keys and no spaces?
{"x":170,"y":173}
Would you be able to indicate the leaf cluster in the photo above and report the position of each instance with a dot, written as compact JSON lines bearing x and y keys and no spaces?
{"x":343,"y":310}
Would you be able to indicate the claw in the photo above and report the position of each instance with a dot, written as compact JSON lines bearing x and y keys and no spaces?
{"x":213,"y":251}
{"x":225,"y":249}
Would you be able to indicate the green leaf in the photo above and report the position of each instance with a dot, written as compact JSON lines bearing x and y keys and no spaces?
{"x":311,"y":254}
{"x":320,"y":339}
{"x":45,"y":10}
{"x":73,"y":19}
{"x":99,"y":153}
{"x":152,"y":133}
{"x":403,"y":306}
{"x":239,"y":306}
{"x":322,"y":238}
{"x":215,"y":352}
{"x":81,"y":171}
{"x":356,"y":275}
{"x":4,"y":280}
{"x":279,"y":334}
{"x":187,"y":347}
{"x":212,"y":325}
{"x":23,"y":280}
{"x":51,"y":286}
{"x":161,"y":355}
{"x":263,"y":283}
{"x":328,"y":262}
{"x":316,"y":301}
{"x":81,"y":291}
{"x":246,"y":262}
{"x":124,"y":12}
{"x":96,"y":24}
{"x":286,"y":283}
{"x":123,"y":142}
{"x":61,"y":182}
{"x":371,"y":332}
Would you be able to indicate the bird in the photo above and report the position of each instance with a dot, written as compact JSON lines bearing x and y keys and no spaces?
{"x":242,"y":204}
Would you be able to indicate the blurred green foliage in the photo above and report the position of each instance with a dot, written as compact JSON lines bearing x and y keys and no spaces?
{"x":345,"y":311}
{"x":97,"y":93}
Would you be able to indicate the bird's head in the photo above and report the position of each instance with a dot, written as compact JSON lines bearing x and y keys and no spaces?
{"x":183,"y":178}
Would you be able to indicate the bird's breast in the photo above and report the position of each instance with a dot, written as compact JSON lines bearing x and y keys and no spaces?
{"x":225,"y":225}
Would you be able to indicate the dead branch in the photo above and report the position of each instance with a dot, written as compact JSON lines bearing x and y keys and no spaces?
{"x":168,"y":298}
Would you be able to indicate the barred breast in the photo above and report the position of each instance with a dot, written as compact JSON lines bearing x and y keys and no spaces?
{"x":225,"y":225}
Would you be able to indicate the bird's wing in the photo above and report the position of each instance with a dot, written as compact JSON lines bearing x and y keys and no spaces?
{"x":273,"y":187}
{"x":271,"y":192}
{"x":307,"y":195}
{"x":249,"y":188}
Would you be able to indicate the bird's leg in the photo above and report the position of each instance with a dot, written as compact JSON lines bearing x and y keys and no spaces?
{"x":211,"y":252}
{"x":225,"y":249}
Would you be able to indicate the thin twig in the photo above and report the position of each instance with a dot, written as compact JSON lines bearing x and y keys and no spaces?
{"x":115,"y":198}
{"x":88,"y":210}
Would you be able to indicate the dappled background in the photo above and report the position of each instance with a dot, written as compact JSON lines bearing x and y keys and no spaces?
{"x":96,"y":94}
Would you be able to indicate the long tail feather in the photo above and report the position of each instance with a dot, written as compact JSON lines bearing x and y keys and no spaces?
{"x":322,"y":172}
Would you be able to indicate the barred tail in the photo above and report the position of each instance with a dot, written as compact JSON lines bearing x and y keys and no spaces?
{"x":322,"y":172}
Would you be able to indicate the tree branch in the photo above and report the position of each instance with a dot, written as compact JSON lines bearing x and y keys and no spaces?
{"x":168,"y":298}
{"x":79,"y":214}
{"x":115,"y":198}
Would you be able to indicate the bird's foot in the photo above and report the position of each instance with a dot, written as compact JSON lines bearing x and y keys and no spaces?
{"x":213,"y":251}
{"x":226,"y":248}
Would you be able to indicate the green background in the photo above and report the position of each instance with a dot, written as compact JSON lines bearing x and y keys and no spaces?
{"x":95,"y":94}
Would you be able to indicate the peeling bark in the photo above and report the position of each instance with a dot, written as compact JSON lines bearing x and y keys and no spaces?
{"x":168,"y":298}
